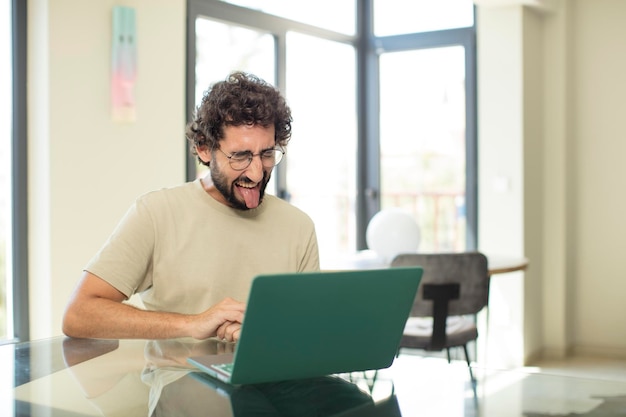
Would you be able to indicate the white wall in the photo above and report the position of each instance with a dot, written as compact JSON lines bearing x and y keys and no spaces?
{"x":84,"y":169}
{"x":550,"y":104}
{"x":557,"y":223}
{"x":598,"y":140}
{"x":501,"y":161}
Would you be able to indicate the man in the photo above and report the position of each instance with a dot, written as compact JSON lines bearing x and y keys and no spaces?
{"x":191,"y":251}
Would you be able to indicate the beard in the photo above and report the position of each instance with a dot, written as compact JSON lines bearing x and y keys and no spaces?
{"x":228,"y":190}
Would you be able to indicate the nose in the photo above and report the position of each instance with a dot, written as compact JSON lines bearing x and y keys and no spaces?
{"x":255,"y":170}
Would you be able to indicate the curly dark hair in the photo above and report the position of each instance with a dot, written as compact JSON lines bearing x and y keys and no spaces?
{"x":242,"y":99}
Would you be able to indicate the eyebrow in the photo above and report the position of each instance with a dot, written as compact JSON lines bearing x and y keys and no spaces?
{"x":249,"y":151}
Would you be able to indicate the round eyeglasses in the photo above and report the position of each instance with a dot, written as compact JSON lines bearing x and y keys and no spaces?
{"x":242,"y":160}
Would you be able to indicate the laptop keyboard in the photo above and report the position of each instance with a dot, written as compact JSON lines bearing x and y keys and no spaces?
{"x":225,"y":367}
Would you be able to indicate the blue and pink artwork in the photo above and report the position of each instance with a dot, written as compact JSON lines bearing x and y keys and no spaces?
{"x":124,"y":64}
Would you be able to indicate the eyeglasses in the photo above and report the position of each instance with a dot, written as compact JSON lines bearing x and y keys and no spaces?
{"x":242,"y":160}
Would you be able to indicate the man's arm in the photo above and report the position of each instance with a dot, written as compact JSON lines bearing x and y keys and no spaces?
{"x":95,"y":310}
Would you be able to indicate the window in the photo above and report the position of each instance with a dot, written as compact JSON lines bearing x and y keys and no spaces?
{"x":396,"y":17}
{"x":428,"y":166}
{"x":238,"y":48}
{"x":384,"y":116}
{"x":6,"y":111}
{"x":422,"y":142}
{"x":222,"y":48}
{"x":321,"y":163}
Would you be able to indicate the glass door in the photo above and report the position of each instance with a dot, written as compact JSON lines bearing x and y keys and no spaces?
{"x":321,"y":158}
{"x":422,"y":142}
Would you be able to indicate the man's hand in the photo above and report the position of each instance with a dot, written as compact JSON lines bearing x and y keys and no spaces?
{"x":229,"y":332}
{"x":223,"y":321}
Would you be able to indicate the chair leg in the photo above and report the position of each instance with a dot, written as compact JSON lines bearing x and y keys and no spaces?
{"x":472,"y":379}
{"x":448,"y":353}
{"x":467,"y":359}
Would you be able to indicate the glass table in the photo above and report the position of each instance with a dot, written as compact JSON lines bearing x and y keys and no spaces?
{"x":84,"y":377}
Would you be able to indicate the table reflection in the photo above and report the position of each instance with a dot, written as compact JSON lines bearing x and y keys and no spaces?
{"x":153,"y":379}
{"x":127,"y":378}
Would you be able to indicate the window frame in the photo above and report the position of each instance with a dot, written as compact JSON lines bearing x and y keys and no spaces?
{"x":465,"y":37}
{"x":19,"y":179}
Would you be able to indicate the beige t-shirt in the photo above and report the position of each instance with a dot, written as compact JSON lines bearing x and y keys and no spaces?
{"x":183,"y":251}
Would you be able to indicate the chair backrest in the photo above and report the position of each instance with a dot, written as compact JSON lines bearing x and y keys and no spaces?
{"x":468,"y":269}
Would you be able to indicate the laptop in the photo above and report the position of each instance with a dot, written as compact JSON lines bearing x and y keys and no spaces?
{"x":311,"y":324}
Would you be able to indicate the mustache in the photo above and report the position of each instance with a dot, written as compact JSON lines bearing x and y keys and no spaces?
{"x":245,"y":180}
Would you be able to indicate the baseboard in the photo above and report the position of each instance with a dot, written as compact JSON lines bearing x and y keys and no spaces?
{"x":555,"y":353}
{"x":548,"y":353}
{"x":532,"y":358}
{"x":599,"y":352}
{"x":558,"y":353}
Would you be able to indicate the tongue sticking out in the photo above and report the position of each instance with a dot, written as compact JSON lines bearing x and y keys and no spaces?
{"x":251,"y":196}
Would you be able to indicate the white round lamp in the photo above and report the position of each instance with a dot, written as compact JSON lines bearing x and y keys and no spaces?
{"x":391,"y":232}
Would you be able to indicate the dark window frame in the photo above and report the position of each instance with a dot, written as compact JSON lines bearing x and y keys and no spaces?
{"x":19,"y":181}
{"x":465,"y":37}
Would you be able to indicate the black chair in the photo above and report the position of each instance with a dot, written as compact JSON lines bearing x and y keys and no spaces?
{"x":454,"y":288}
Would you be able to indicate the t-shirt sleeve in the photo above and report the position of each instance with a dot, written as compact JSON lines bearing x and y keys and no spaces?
{"x":125,"y":260}
{"x":311,"y":260}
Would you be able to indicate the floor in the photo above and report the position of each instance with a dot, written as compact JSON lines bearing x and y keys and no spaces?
{"x":576,"y":387}
{"x":584,"y":367}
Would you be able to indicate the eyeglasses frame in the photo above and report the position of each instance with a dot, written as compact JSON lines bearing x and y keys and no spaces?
{"x":251,"y":157}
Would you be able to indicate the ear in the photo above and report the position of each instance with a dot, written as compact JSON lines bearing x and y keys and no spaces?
{"x":204,"y":153}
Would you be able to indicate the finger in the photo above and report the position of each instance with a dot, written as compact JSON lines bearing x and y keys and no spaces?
{"x":236,"y":334}
{"x":234,"y":317}
{"x":229,"y":311}
{"x":221,"y":330}
{"x":230,"y":330}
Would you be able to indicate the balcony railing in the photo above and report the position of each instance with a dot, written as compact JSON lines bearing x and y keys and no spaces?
{"x":440,"y":216}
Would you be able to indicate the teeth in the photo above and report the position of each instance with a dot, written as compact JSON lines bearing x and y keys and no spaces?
{"x":245,"y":185}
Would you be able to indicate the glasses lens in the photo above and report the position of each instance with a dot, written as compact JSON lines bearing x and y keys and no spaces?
{"x":271,"y":157}
{"x":278,"y":156}
{"x":240,"y":162}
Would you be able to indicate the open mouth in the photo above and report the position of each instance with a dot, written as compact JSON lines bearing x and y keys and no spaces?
{"x":250,"y":192}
